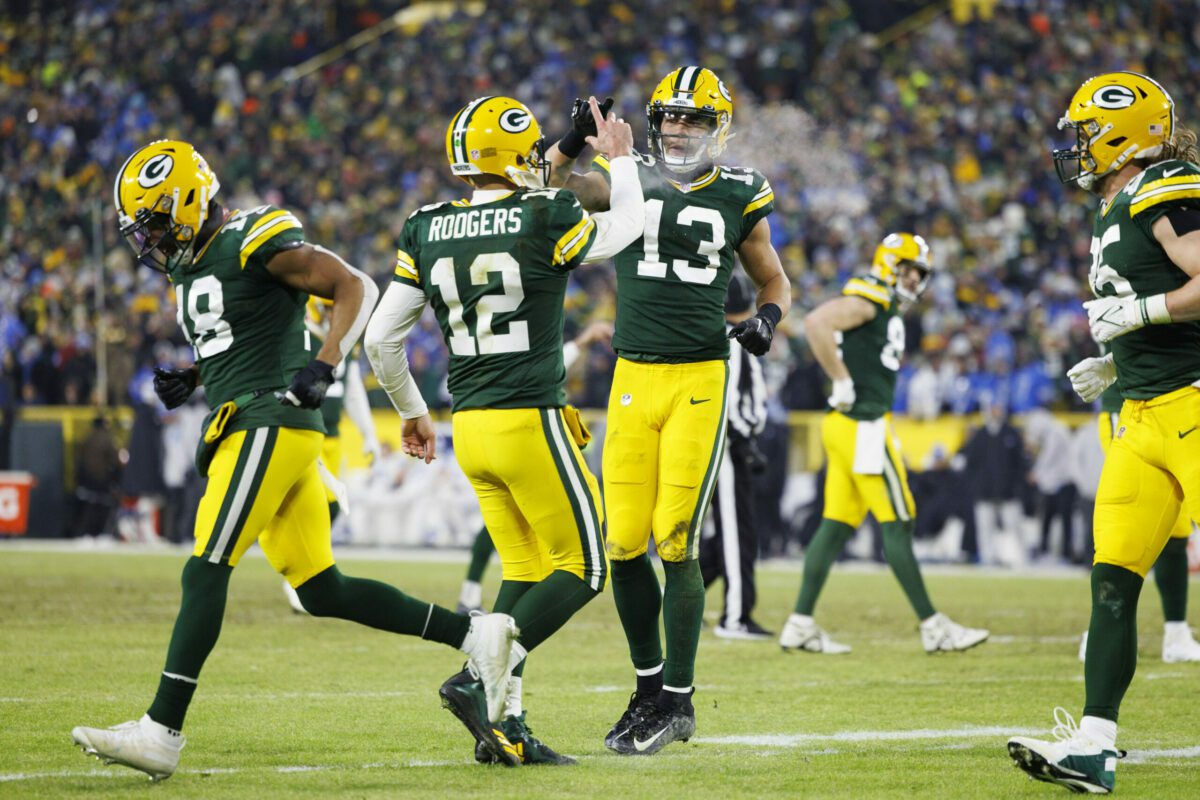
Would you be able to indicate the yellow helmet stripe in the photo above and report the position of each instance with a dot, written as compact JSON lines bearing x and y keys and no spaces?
{"x":567,"y":247}
{"x":458,"y":129}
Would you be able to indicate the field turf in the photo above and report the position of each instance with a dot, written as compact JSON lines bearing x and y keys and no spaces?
{"x":290,"y":706}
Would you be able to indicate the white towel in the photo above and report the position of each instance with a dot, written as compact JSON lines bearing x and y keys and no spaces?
{"x":869,"y":447}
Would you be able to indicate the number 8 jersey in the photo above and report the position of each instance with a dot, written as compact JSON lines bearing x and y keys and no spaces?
{"x":1128,"y":261}
{"x":246,"y":327}
{"x":872,"y":352}
{"x":495,"y":274}
{"x":692,"y":232}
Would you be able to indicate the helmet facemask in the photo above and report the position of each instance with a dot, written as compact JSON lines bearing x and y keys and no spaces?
{"x":158,"y":241}
{"x":532,"y":170}
{"x":693,"y":153}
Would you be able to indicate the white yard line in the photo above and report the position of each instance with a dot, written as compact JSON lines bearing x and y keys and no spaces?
{"x":800,"y":739}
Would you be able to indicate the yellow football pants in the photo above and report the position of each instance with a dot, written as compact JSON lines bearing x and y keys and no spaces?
{"x":662,"y":451}
{"x":540,"y":502}
{"x":263,"y":484}
{"x":1151,"y":469}
{"x":848,"y":495}
{"x":1107,"y":425}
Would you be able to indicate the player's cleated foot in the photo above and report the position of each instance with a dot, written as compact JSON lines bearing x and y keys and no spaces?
{"x":1083,"y":648}
{"x":142,"y":744}
{"x":940,"y":634}
{"x":1179,"y":646}
{"x":639,"y":706}
{"x":532,"y":750}
{"x":799,"y":634}
{"x":488,"y":646}
{"x":748,"y":630}
{"x":656,"y":729}
{"x":1072,"y":761}
{"x":463,"y":694}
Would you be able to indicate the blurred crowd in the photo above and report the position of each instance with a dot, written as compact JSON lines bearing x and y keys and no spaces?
{"x":942,"y":128}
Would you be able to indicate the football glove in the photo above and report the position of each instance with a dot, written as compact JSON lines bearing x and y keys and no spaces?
{"x":1110,"y":317}
{"x":755,"y":333}
{"x":1090,"y":377}
{"x":309,"y":386}
{"x":583,"y":125}
{"x":174,"y":386}
{"x":843,"y":395}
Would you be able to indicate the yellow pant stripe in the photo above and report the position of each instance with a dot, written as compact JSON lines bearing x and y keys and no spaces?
{"x":586,"y":514}
{"x":895,"y":487}
{"x":252,"y":464}
{"x":710,"y":474}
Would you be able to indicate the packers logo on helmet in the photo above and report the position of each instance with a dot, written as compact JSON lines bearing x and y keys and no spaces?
{"x":497,"y":136}
{"x":1117,"y":117}
{"x":696,"y":94}
{"x":161,"y":195}
{"x":316,"y":316}
{"x":898,"y":253}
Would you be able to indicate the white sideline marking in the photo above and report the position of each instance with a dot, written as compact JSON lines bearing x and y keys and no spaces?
{"x":1147,"y":756}
{"x":798,"y":739}
{"x":290,"y":769}
{"x":1006,"y":639}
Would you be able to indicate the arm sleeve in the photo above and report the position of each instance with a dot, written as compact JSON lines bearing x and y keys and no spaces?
{"x":396,"y":315}
{"x":357,"y":406}
{"x":370,"y":295}
{"x":570,"y":354}
{"x":623,"y":223}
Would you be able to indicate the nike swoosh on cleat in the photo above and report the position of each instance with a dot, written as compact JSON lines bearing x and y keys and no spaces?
{"x":641,"y":746}
{"x":1185,"y":433}
{"x":696,"y":402}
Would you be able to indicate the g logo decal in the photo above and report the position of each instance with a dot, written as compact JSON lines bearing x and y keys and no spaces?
{"x":724,"y":91}
{"x":1113,"y":97}
{"x":155,"y":171}
{"x":515,"y":120}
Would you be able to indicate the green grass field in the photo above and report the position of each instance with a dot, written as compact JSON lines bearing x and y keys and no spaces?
{"x":292,"y":706}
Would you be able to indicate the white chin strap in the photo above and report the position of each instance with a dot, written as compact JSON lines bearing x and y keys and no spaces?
{"x":524,"y":178}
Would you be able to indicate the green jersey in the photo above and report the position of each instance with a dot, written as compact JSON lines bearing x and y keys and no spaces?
{"x":246,"y":328}
{"x":671,"y":283}
{"x":496,"y":276}
{"x":872,"y":352}
{"x":1127,"y":261}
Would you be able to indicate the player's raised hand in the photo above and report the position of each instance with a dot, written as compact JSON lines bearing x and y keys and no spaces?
{"x":614,"y":137}
{"x":418,"y":438}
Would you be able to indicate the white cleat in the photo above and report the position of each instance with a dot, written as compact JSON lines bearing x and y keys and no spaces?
{"x":809,"y":637}
{"x":940,"y":634}
{"x":1083,"y":648}
{"x":1073,"y":761}
{"x":143,"y":744}
{"x":489,"y":645}
{"x":1179,"y":646}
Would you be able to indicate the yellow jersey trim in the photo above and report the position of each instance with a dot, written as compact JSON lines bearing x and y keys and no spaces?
{"x":861,"y":288}
{"x":264,"y":234}
{"x":1164,"y":190}
{"x":405,"y":267}
{"x":571,"y":242}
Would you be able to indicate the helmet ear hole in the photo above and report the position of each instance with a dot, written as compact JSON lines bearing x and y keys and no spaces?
{"x":191,"y":195}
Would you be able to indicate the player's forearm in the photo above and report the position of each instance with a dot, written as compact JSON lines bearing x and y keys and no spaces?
{"x":778,"y":291}
{"x":824,"y":347}
{"x":1183,"y":304}
{"x":354,"y":296}
{"x":561,"y":167}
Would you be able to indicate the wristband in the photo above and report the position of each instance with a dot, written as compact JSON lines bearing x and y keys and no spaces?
{"x":771,"y":313}
{"x":1153,"y":309}
{"x":572,"y":144}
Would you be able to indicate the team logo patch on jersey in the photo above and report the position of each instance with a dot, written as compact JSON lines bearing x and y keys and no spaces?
{"x":155,"y":171}
{"x":626,"y":399}
{"x":515,"y":120}
{"x":1113,"y":97}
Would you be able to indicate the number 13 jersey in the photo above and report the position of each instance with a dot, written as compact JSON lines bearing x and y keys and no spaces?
{"x":1127,"y":261}
{"x":671,"y":283}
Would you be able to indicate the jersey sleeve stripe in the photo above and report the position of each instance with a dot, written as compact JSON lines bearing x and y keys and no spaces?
{"x":759,"y":202}
{"x":266,"y":218}
{"x":405,"y":268}
{"x":1152,"y":186}
{"x":1165,"y":195}
{"x":764,"y":191}
{"x":261,"y":230}
{"x":602,"y":163}
{"x":863,"y":289}
{"x":572,"y":241}
{"x":265,"y":236}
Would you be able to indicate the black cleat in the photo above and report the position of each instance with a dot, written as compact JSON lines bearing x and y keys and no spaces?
{"x":532,"y":750}
{"x":657,"y":728}
{"x":463,"y":695}
{"x":639,"y":705}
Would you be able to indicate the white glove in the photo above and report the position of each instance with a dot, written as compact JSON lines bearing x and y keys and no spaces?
{"x":1090,"y":377}
{"x":842,"y":397}
{"x":1110,"y":317}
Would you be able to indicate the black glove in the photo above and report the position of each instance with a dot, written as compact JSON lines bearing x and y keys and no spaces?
{"x":583,"y":125}
{"x":755,"y":333}
{"x":308,"y":387}
{"x":174,"y":386}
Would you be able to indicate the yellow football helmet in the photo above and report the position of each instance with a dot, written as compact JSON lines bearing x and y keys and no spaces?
{"x":690,"y":92}
{"x":897,"y":253}
{"x":497,"y":136}
{"x":161,"y":195}
{"x":1117,"y":117}
{"x":316,"y":316}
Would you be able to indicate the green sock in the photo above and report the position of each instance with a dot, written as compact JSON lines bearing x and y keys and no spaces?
{"x":335,"y":508}
{"x":1112,"y":640}
{"x":823,"y":550}
{"x":547,"y":605}
{"x":481,"y":552}
{"x":898,"y":550}
{"x":683,"y":612}
{"x":375,"y":604}
{"x":197,"y":627}
{"x":1171,"y":575}
{"x":639,"y":601}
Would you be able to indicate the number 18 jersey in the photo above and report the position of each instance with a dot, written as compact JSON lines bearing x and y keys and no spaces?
{"x":496,"y":275}
{"x":671,"y":283}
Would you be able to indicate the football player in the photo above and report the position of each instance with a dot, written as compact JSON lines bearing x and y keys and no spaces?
{"x":241,"y":280}
{"x":1145,"y":261}
{"x":666,"y":409}
{"x":495,"y":267}
{"x":1171,"y":568}
{"x":858,"y":339}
